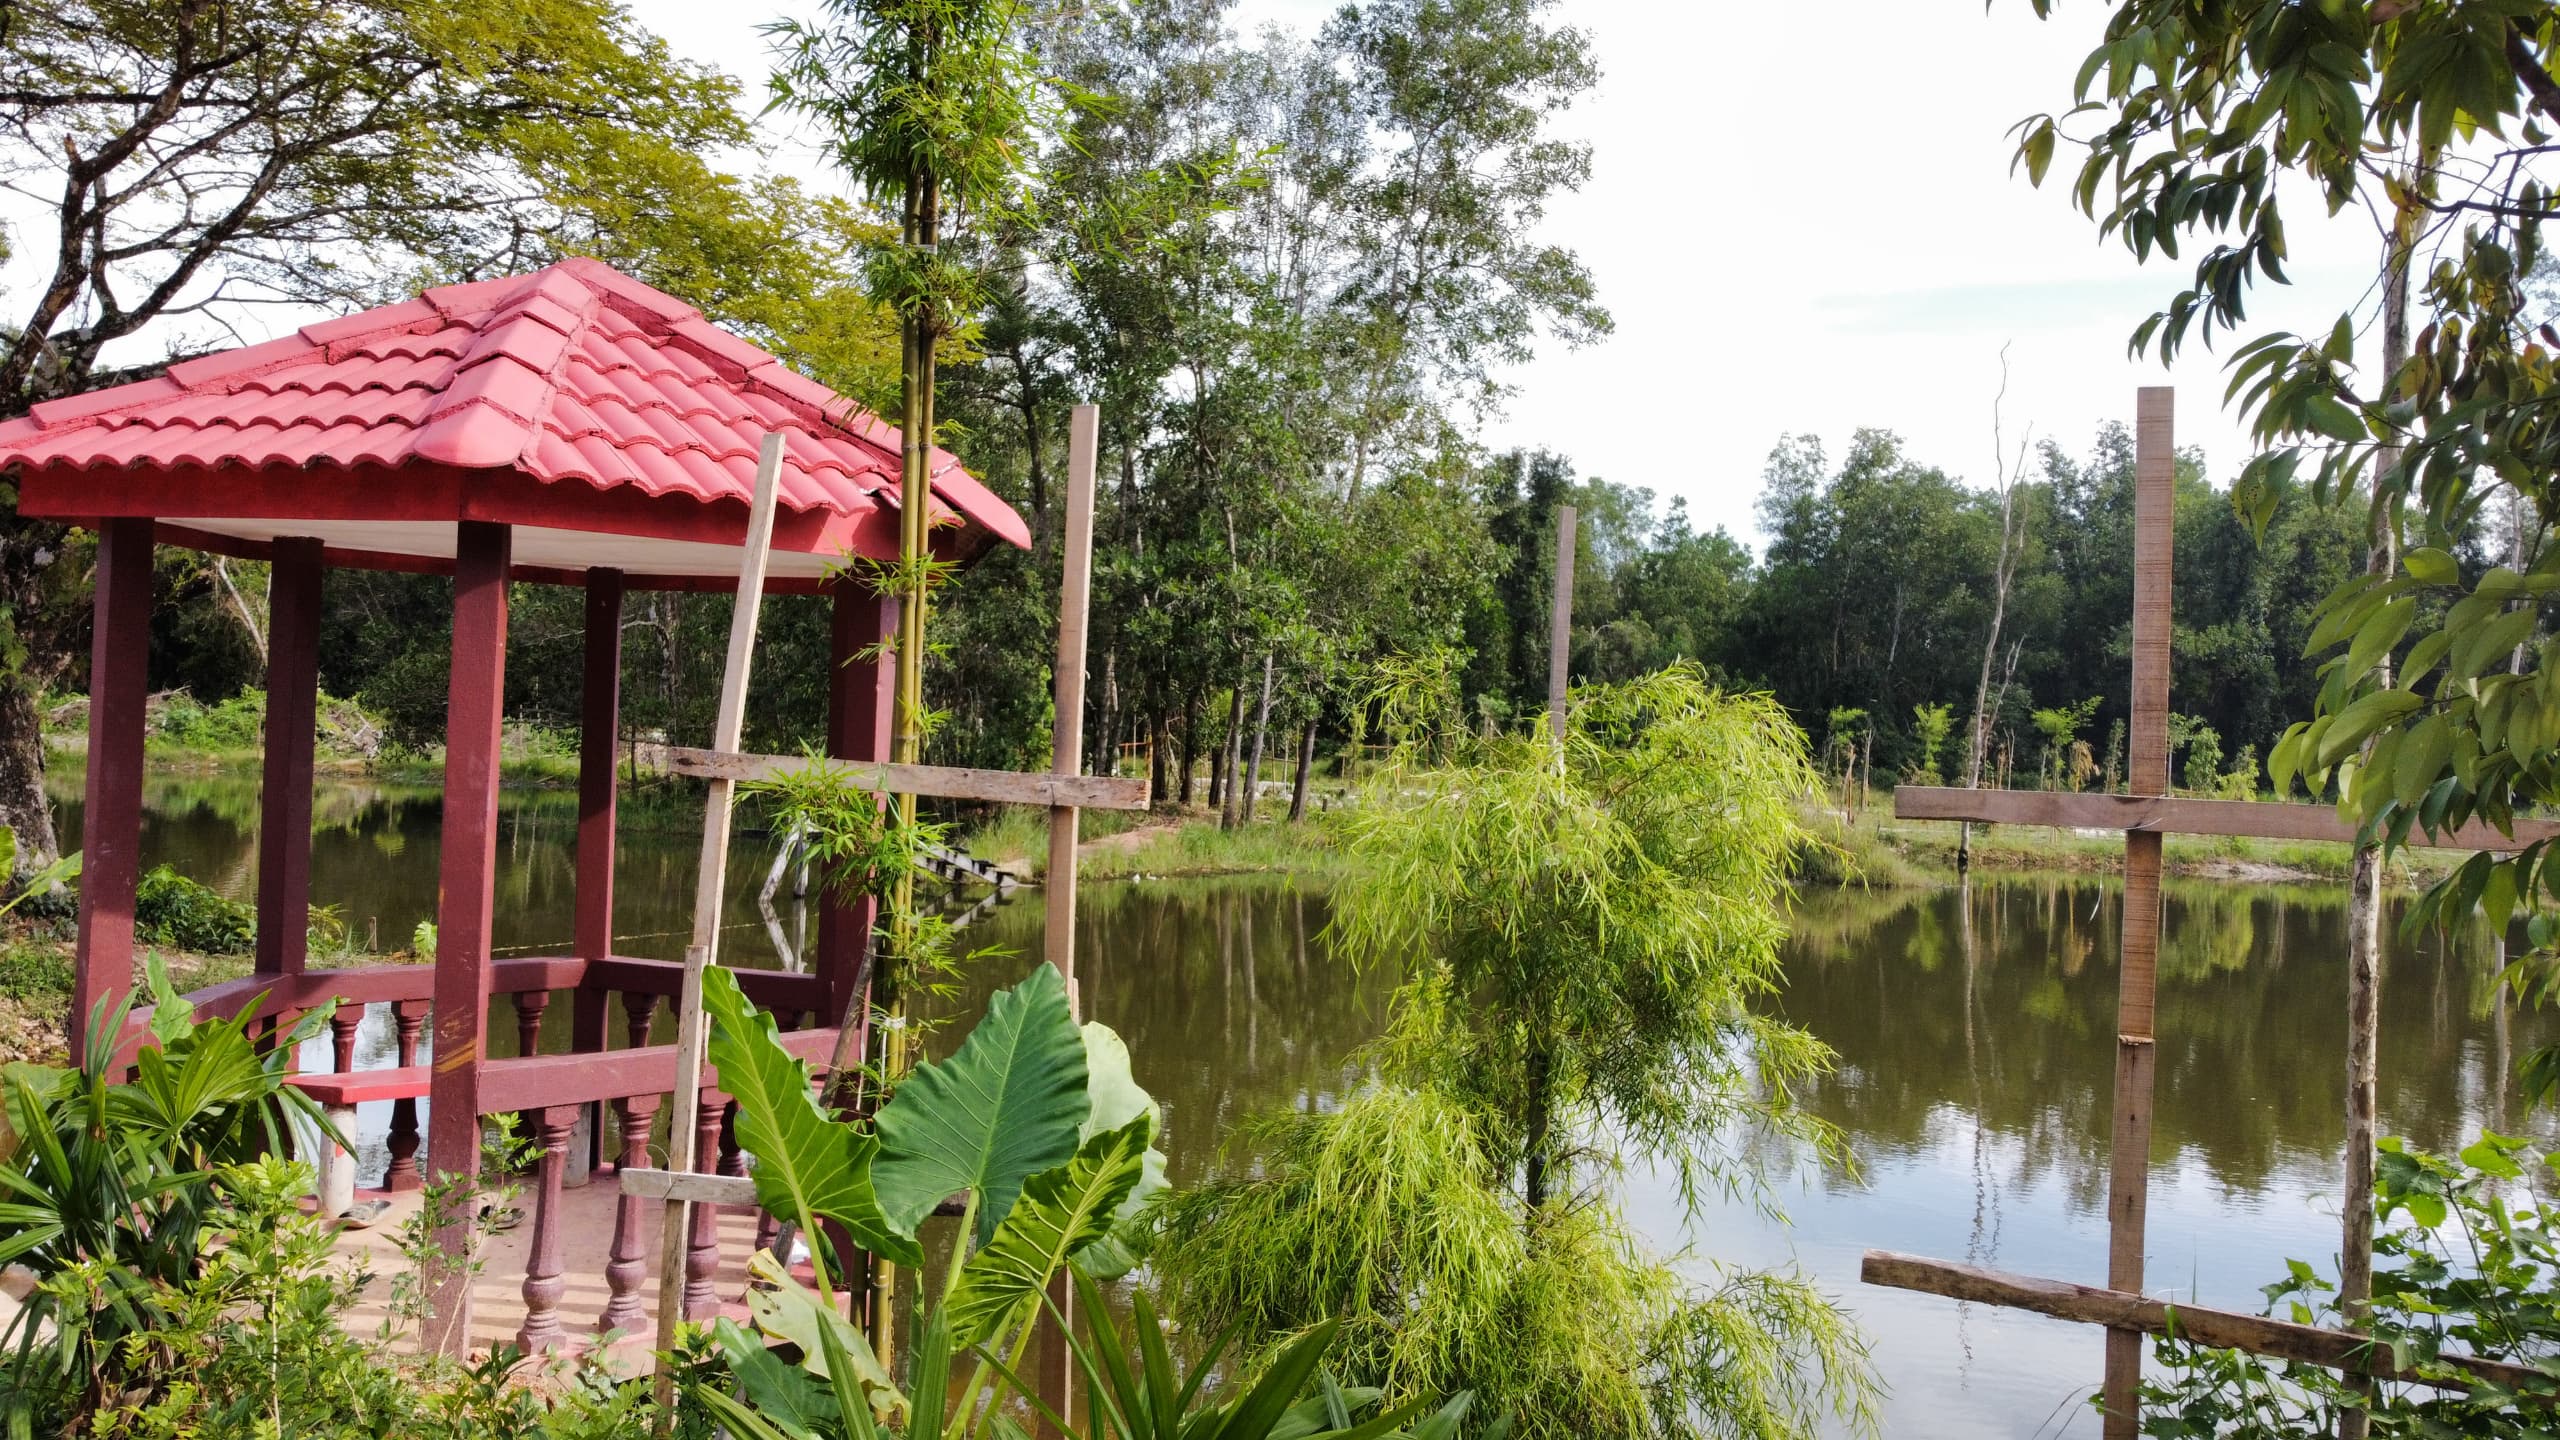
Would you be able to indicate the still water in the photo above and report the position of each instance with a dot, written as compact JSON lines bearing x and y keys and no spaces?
{"x":1973,"y":1032}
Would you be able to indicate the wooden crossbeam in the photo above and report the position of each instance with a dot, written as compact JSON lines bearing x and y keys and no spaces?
{"x":948,"y":782}
{"x":2181,"y":815}
{"x":2342,"y":1350}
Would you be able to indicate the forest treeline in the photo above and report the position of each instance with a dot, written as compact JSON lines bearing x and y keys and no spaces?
{"x":1292,"y":271}
{"x":1866,"y":611}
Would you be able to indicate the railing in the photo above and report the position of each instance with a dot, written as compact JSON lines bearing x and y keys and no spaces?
{"x":550,"y":1091}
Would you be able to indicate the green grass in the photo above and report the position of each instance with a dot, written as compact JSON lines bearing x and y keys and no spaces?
{"x":1878,"y":850}
{"x":1163,"y":845}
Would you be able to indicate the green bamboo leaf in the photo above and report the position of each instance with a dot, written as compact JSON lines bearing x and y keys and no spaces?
{"x":809,"y":1165}
{"x":1006,"y":1106}
{"x":1061,"y":1211}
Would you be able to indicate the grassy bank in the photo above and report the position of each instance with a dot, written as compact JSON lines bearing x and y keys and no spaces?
{"x":1874,"y":849}
{"x":1117,"y":844}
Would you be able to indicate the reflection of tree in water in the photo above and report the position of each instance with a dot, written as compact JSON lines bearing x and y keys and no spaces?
{"x":2252,"y":1026}
{"x":1225,"y":992}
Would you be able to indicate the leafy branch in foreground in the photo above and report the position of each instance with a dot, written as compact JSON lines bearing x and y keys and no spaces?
{"x":1589,"y":919}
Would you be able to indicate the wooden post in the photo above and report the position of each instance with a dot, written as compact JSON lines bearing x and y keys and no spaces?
{"x":710,"y":883}
{"x":860,"y":695}
{"x":1560,"y":624}
{"x":1056,"y":1375}
{"x":466,"y":893}
{"x":2147,"y":770}
{"x":284,"y":802}
{"x":543,"y":1282}
{"x":102,"y":965}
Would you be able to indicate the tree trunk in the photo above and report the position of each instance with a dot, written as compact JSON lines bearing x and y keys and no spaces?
{"x":1106,"y":761}
{"x":1261,"y":728}
{"x":1190,"y":745}
{"x":2364,"y":881}
{"x":1231,"y":752}
{"x":23,"y":806}
{"x":2002,"y":572}
{"x":1159,"y":750}
{"x":1541,"y":1122}
{"x":1306,"y":762}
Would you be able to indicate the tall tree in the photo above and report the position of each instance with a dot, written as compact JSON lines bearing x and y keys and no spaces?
{"x":197,"y":160}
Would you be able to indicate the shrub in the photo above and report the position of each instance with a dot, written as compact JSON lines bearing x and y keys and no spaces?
{"x":170,"y":909}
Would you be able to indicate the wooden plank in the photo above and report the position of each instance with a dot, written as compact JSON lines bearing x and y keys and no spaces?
{"x":690,"y":1186}
{"x":1074,"y":593}
{"x":111,"y":824}
{"x":2218,"y":1329}
{"x":710,"y":879}
{"x":2183,"y":815}
{"x":2138,"y":953}
{"x":949,"y":782}
{"x":1053,"y":1367}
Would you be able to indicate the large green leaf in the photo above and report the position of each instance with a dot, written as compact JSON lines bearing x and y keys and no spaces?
{"x":784,"y":1394}
{"x":809,"y":1165}
{"x":1006,"y":1106}
{"x":1061,"y":1212}
{"x":786,"y":1310}
{"x":1117,"y":1100}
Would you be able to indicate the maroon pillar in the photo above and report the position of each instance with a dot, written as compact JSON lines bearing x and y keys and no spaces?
{"x":861,"y":703}
{"x":466,"y":892}
{"x":284,"y":805}
{"x":599,"y":728}
{"x":111,"y":824}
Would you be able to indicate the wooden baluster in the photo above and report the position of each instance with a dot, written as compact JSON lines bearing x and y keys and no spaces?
{"x":410,"y":1016}
{"x":628,"y":1263}
{"x":702,"y":1255}
{"x":627,"y":1267}
{"x":529,"y":1007}
{"x":342,"y":1037}
{"x":543,"y":1282}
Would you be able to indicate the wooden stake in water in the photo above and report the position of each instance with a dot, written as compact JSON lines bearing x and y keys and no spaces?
{"x":2147,"y":773}
{"x":710,"y":884}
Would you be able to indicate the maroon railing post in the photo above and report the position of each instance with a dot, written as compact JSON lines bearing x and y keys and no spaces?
{"x":627,"y":1267}
{"x":410,"y":1018}
{"x":474,"y":709}
{"x":111,"y":823}
{"x":543,"y":1283}
{"x":284,"y":799}
{"x":702,"y":1255}
{"x":628,"y":1264}
{"x":529,"y":1007}
{"x":343,"y":1022}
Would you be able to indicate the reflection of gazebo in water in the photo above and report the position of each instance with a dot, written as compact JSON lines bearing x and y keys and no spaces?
{"x":569,"y":427}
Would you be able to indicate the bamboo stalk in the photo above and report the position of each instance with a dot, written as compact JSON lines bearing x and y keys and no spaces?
{"x":710,"y":884}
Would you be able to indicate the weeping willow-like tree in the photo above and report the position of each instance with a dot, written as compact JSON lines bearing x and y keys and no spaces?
{"x":1587,"y":922}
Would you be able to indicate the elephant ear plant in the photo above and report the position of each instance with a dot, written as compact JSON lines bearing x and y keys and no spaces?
{"x":1037,"y":1127}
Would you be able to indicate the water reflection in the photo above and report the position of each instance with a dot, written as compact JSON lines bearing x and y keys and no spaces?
{"x":1973,"y":1031}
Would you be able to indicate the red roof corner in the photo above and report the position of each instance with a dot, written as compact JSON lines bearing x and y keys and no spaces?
{"x":574,"y":373}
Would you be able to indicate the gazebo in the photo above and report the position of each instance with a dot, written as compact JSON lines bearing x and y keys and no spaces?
{"x":571,"y":426}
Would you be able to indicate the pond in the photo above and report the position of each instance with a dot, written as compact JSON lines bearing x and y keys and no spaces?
{"x":1972,"y":1030}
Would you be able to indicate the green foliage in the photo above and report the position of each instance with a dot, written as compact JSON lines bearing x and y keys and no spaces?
{"x":1052,"y":1149}
{"x":107,"y":1193}
{"x":2067,"y":763}
{"x":1587,"y":919}
{"x":1380,"y":1215}
{"x":2468,"y":1272}
{"x":1930,"y":727}
{"x":170,"y":909}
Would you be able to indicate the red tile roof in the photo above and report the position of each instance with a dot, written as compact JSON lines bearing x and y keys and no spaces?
{"x":572,"y":373}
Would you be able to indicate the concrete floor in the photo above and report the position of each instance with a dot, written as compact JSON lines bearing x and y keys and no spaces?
{"x":497,"y":1293}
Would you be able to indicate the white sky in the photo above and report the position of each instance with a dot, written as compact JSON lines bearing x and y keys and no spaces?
{"x":1803,"y":219}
